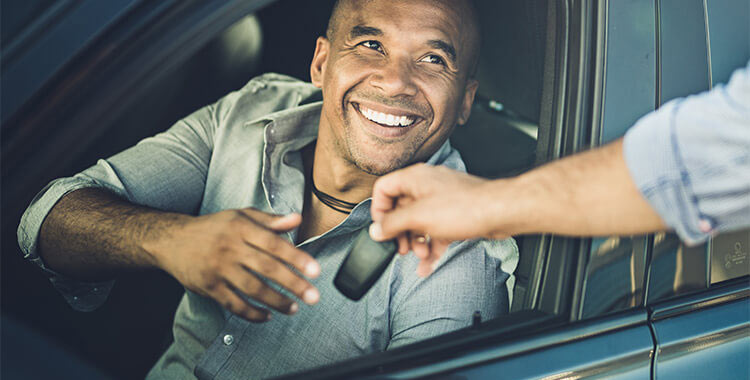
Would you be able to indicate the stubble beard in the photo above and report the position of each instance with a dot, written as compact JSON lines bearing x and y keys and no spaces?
{"x":351,"y":150}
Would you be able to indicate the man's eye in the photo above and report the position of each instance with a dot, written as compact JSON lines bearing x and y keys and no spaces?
{"x":374,"y":45}
{"x":432,"y":58}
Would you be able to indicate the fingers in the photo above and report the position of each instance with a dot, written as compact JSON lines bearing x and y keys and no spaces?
{"x":426,"y":267}
{"x":395,"y":223}
{"x":439,"y":247}
{"x":403,"y":244}
{"x":429,"y":252}
{"x":234,"y":303}
{"x":252,"y":286}
{"x":420,"y":246}
{"x":278,"y":223}
{"x":389,"y":188}
{"x":269,"y":242}
{"x":285,"y":223}
{"x":279,"y":273}
{"x":430,"y":263}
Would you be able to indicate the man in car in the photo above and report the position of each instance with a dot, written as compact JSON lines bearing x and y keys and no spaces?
{"x":281,"y":187}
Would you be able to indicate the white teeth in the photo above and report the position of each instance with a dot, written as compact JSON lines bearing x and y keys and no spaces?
{"x":387,"y":119}
{"x":382,"y":118}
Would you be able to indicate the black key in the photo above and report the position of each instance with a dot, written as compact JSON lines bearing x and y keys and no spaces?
{"x":363,"y":265}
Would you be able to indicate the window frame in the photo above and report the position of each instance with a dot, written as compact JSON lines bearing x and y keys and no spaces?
{"x":571,"y":97}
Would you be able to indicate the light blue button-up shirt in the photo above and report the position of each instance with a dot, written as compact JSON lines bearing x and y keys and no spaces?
{"x":691,"y":160}
{"x":244,"y":151}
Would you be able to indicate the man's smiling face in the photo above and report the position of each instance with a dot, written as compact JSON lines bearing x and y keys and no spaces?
{"x":396,"y":79}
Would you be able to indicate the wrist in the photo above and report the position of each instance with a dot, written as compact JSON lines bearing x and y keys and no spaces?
{"x":507,"y":202}
{"x":162,"y":236}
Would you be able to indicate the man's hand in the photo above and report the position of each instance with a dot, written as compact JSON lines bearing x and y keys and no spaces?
{"x":433,"y":201}
{"x":224,"y":255}
{"x":586,"y":194}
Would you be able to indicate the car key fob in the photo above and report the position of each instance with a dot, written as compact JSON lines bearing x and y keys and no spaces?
{"x":363,"y":265}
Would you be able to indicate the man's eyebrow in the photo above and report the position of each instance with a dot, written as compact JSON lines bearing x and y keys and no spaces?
{"x":445,"y":47}
{"x":362,"y":30}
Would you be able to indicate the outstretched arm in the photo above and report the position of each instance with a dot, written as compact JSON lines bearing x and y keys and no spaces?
{"x":583,"y":195}
{"x":92,"y":234}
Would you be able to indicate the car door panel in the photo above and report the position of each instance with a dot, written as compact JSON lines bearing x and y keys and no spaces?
{"x":704,"y":336}
{"x":703,"y":333}
{"x":618,"y":347}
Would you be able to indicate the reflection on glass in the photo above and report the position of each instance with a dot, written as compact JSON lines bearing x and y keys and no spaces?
{"x":676,"y":268}
{"x":614,"y":277}
{"x":729,"y":256}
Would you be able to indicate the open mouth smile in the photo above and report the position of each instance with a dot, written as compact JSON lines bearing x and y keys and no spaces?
{"x":386,"y":122}
{"x":386,"y":119}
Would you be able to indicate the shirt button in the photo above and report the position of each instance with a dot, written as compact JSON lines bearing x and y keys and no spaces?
{"x":273,"y":196}
{"x":228,"y":339}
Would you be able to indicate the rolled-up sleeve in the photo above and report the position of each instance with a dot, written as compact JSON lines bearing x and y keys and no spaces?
{"x":166,"y":172}
{"x":691,"y":160}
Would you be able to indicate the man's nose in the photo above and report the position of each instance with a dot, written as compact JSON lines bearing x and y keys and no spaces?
{"x":395,"y":78}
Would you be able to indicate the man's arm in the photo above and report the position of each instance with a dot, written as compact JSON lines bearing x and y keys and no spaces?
{"x":134,"y":210}
{"x":92,"y":234}
{"x":587,"y":194}
{"x":83,"y":235}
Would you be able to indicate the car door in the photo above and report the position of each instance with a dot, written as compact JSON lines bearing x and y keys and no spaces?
{"x":699,"y":297}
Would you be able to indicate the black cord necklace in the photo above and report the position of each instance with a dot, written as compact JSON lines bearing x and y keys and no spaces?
{"x":331,"y":201}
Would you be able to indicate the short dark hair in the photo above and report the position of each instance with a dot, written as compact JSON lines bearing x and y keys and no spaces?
{"x":337,"y":14}
{"x":333,"y":20}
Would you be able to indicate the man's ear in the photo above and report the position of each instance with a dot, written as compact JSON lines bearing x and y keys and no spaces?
{"x":465,"y":111}
{"x":320,"y":58}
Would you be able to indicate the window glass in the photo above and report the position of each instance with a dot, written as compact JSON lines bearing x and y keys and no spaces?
{"x":684,"y":56}
{"x":631,"y":53}
{"x":729,"y":256}
{"x":676,"y":268}
{"x":729,"y":35}
{"x":616,"y":268}
{"x":615,"y":273}
{"x":500,"y":137}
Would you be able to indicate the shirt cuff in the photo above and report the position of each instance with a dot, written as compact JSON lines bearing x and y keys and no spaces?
{"x":653,"y":158}
{"x":82,"y":296}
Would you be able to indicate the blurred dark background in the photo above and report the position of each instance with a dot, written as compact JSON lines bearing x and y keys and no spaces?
{"x":125,"y":336}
